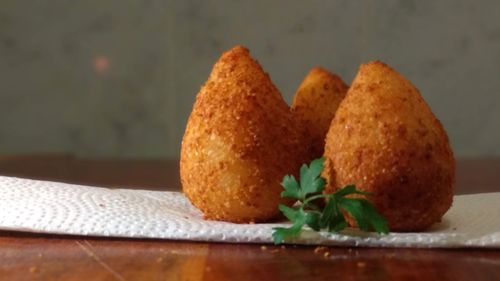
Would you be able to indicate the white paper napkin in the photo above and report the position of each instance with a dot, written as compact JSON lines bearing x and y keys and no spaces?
{"x":59,"y":208}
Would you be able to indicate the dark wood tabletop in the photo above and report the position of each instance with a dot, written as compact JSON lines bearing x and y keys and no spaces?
{"x":25,"y":256}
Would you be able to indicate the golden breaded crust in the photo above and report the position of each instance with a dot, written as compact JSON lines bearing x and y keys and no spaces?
{"x":315,"y":104}
{"x":239,"y":142}
{"x":386,"y":140}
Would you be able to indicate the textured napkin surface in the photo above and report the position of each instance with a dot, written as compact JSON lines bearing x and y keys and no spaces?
{"x":59,"y":208}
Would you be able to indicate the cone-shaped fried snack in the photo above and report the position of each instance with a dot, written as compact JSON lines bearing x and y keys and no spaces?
{"x":240,"y":141}
{"x":315,"y":104}
{"x":386,"y":140}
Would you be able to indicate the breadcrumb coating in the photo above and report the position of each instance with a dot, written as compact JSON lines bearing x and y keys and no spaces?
{"x":315,"y":104}
{"x":385,"y":139}
{"x":240,"y":140}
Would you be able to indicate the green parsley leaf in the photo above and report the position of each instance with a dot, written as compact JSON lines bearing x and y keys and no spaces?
{"x":354,"y":207}
{"x":299,"y":218}
{"x":313,"y":219}
{"x":290,"y":213}
{"x":330,"y":217}
{"x":329,"y":212}
{"x":377,"y":221}
{"x":280,"y":234}
{"x":292,"y":188}
{"x":310,"y":180}
{"x":338,"y":223}
{"x":365,"y":214}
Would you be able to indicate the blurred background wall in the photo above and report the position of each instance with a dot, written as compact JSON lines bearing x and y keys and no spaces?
{"x":118,"y":78}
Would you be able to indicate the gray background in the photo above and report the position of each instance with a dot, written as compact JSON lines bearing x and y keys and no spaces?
{"x":118,"y":78}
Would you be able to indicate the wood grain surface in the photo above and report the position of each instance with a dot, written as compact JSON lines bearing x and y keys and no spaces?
{"x":26,"y":256}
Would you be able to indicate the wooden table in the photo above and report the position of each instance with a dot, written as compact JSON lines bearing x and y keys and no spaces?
{"x":49,"y":257}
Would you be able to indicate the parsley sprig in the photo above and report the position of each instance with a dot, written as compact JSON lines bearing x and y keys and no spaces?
{"x":331,"y":216}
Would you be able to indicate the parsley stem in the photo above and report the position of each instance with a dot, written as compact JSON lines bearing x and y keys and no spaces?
{"x":314,"y":207}
{"x":312,"y":198}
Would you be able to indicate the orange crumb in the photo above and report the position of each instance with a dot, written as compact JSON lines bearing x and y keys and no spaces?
{"x":319,"y":249}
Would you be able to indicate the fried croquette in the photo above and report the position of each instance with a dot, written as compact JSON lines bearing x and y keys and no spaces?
{"x":314,"y":104}
{"x":385,"y":139}
{"x":239,"y":142}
